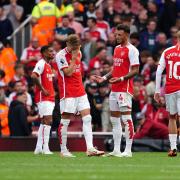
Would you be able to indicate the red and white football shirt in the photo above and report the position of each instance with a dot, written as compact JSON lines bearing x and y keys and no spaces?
{"x":69,"y":86}
{"x":44,"y":71}
{"x":170,"y":60}
{"x":124,"y":58}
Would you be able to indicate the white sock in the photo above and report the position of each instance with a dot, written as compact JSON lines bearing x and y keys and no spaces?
{"x":129,"y":131}
{"x":62,"y":131}
{"x":87,"y":130}
{"x":39,"y":138}
{"x":173,"y":141}
{"x":117,"y":133}
{"x":46,"y":132}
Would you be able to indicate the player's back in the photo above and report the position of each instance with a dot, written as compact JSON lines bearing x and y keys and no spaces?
{"x":172,"y":62}
{"x":69,"y":86}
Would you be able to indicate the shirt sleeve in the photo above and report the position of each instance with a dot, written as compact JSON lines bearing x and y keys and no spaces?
{"x":35,"y":12}
{"x":160,"y":69}
{"x":39,"y":68}
{"x":61,"y":61}
{"x":134,"y":56}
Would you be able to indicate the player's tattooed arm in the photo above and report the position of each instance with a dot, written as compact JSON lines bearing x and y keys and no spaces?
{"x":134,"y":71}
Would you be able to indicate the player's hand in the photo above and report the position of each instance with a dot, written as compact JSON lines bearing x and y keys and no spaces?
{"x":157,"y":97}
{"x":97,"y":79}
{"x":45,"y":92}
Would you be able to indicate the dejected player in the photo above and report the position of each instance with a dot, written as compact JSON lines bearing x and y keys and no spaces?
{"x":72,"y":95}
{"x":170,"y":60}
{"x":125,"y":67}
{"x":44,"y":97}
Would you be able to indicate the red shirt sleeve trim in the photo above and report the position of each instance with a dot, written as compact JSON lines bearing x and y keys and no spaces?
{"x":64,"y":67}
{"x":135,"y":65}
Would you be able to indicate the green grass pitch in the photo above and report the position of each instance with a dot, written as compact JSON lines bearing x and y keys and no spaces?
{"x":142,"y":166}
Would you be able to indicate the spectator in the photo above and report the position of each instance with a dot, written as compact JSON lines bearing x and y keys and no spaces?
{"x":126,"y":9}
{"x":141,"y":21}
{"x":65,"y":30}
{"x":19,"y":87}
{"x":98,"y":60}
{"x":3,"y":112}
{"x":31,"y":55}
{"x":135,"y":40}
{"x":111,"y":44}
{"x":45,"y":12}
{"x":110,"y":13}
{"x":74,"y":24}
{"x":19,"y":74}
{"x":153,"y":12}
{"x":173,"y":38}
{"x":150,"y":87}
{"x":57,"y":45}
{"x":88,"y":47}
{"x":95,"y":32}
{"x":148,"y":37}
{"x":8,"y":60}
{"x":161,"y":44}
{"x":101,"y":24}
{"x":19,"y":121}
{"x":150,"y":128}
{"x":91,"y":11}
{"x":14,"y":13}
{"x":66,"y":7}
{"x":6,"y":28}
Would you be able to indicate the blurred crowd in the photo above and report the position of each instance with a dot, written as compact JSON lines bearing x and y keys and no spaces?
{"x":153,"y":25}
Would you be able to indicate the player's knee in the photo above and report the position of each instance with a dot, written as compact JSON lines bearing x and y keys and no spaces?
{"x":126,"y":118}
{"x":87,"y":118}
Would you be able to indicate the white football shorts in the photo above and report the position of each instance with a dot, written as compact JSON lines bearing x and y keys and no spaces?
{"x":173,"y":103}
{"x":120,"y":101}
{"x":74,"y":105}
{"x":45,"y":108}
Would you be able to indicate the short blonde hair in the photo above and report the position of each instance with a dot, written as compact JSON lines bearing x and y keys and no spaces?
{"x":73,"y":40}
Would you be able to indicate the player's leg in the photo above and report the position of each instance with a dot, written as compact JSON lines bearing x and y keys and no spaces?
{"x":84,"y":109}
{"x":171,"y":105}
{"x":116,"y":124}
{"x":67,"y":108}
{"x":47,"y":121}
{"x":125,"y":104}
{"x":45,"y":112}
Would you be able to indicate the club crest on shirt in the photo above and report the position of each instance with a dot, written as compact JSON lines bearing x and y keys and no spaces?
{"x":122,"y":53}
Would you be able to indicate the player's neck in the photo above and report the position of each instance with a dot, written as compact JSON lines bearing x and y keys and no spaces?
{"x":123,"y":44}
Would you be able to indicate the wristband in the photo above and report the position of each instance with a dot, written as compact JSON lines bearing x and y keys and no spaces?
{"x":104,"y":77}
{"x":122,"y":78}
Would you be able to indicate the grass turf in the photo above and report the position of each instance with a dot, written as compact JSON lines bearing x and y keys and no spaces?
{"x":142,"y":166}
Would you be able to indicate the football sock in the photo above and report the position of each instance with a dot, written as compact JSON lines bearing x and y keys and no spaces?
{"x":117,"y":132}
{"x":129,"y":131}
{"x":62,"y":131}
{"x":46,"y":133}
{"x":87,"y":130}
{"x":39,"y":138}
{"x":173,"y":141}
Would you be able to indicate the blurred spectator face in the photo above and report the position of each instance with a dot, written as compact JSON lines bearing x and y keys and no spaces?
{"x":99,"y":14}
{"x":106,"y":68}
{"x":143,"y":16}
{"x":35,"y":43}
{"x":76,"y":5}
{"x":161,"y":38}
{"x":56,"y":45}
{"x":111,"y":38}
{"x":117,"y":20}
{"x":92,"y":88}
{"x":120,"y":36}
{"x":87,"y":36}
{"x":100,"y":44}
{"x":65,"y":22}
{"x":110,"y":3}
{"x":20,"y":71}
{"x":125,"y":6}
{"x":144,"y":55}
{"x":162,"y":101}
{"x":13,"y":2}
{"x":150,"y":61}
{"x":151,"y":26}
{"x":91,"y":7}
{"x":18,"y":87}
{"x":152,"y":6}
{"x":90,"y":23}
{"x":173,"y":31}
{"x":71,"y":15}
{"x":136,"y":91}
{"x":102,"y":54}
{"x":22,"y":98}
{"x":103,"y":90}
{"x":134,"y":41}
